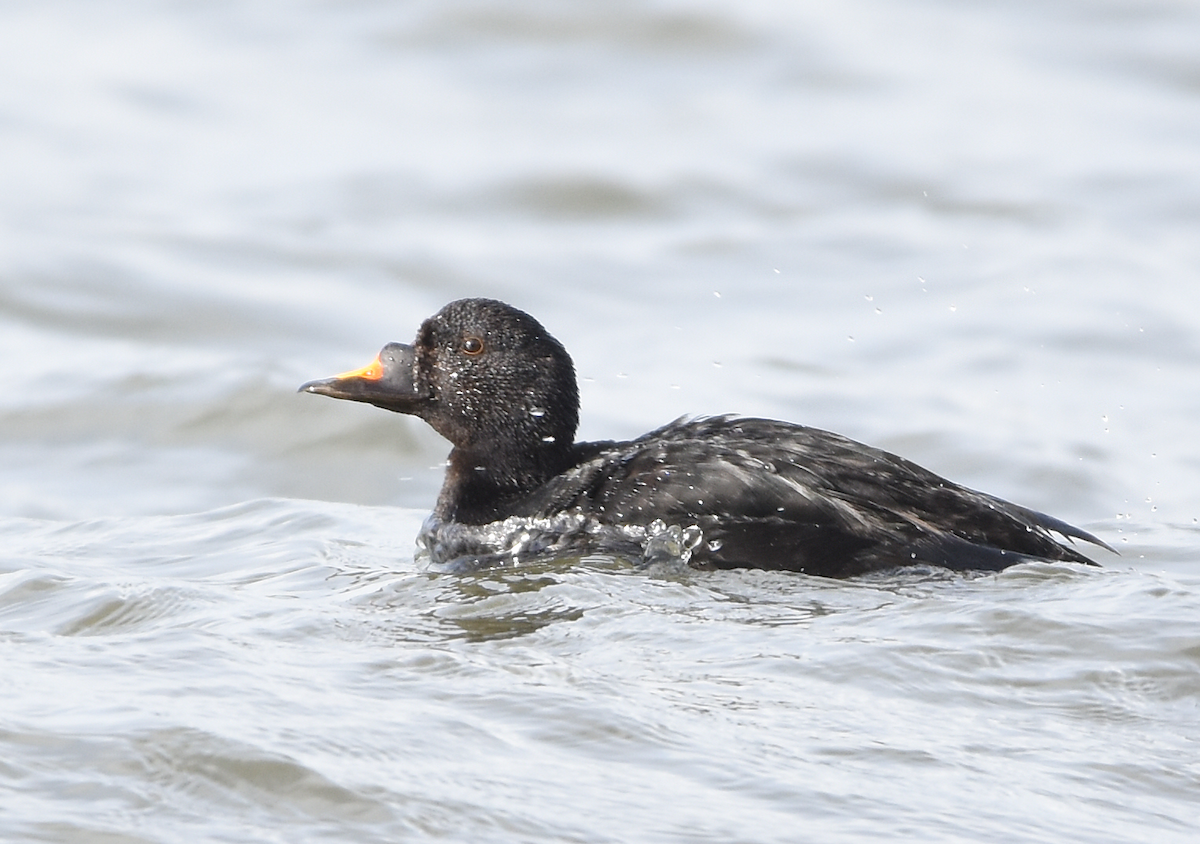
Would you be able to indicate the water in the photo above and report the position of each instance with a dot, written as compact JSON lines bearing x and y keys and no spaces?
{"x":962,"y":233}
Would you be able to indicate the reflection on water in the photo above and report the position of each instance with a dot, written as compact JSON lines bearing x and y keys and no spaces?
{"x":485,"y":613}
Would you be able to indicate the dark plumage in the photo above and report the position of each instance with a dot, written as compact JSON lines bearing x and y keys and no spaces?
{"x":762,"y":493}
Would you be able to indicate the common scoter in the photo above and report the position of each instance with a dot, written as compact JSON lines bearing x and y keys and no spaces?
{"x":719,"y":492}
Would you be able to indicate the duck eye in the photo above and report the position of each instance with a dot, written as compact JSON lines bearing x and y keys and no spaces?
{"x":472,"y":346}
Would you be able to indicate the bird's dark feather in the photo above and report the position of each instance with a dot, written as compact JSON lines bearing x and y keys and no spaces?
{"x":775,"y":495}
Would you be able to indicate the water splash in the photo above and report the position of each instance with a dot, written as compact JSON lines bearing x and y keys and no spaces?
{"x":454,"y":547}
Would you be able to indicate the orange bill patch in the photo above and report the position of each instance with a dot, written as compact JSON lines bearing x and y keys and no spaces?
{"x":371,"y":372}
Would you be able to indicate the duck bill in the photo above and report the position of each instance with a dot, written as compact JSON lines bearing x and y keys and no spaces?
{"x":385,"y":382}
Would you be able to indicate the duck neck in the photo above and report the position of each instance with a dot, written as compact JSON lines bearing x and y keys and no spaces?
{"x":485,"y":486}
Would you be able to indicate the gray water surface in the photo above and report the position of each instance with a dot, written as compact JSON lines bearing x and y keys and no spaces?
{"x":963,"y":233}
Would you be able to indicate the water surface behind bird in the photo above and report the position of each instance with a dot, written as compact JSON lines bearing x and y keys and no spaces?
{"x":965,"y":235}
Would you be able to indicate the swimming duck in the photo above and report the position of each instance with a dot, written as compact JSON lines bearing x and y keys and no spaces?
{"x":729,"y":491}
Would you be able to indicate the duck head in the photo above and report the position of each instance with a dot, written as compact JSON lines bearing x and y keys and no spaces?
{"x":484,"y":375}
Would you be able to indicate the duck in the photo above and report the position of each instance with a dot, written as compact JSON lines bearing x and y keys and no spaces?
{"x":717,"y":492}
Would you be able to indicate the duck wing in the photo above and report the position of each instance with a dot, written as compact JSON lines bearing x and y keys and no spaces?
{"x":770,"y":494}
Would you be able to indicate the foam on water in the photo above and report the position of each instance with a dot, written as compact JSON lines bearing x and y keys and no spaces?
{"x":455,"y":547}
